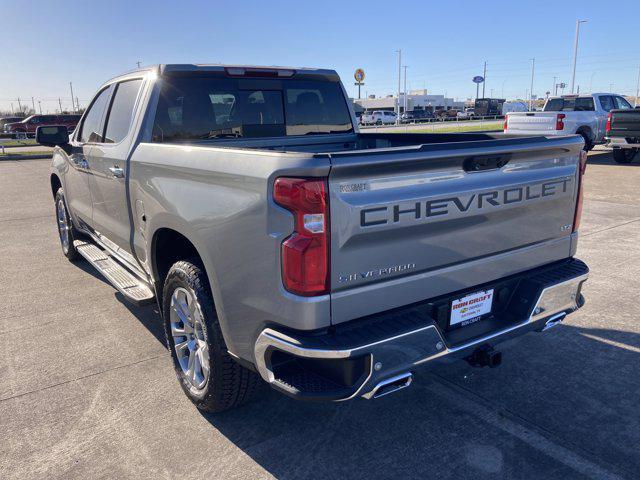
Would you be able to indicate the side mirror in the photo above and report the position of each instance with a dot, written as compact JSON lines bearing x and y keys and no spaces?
{"x":52,"y":135}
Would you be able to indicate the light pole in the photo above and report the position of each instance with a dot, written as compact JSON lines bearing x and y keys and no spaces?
{"x":40,"y":107}
{"x":555,"y":89}
{"x":503,"y":82}
{"x":484,"y":75}
{"x":405,"y":88}
{"x":399,"y":80}
{"x":575,"y":53}
{"x":591,"y":83}
{"x":73,"y":107}
{"x":611,"y":87}
{"x":533,"y":69}
{"x":635,"y":103}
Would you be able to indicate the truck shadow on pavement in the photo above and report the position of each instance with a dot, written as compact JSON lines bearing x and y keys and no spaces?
{"x":147,"y":315}
{"x":604,"y":157}
{"x":565,"y":410}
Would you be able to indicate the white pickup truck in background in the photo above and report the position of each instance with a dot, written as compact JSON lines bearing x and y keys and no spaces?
{"x":584,"y":115}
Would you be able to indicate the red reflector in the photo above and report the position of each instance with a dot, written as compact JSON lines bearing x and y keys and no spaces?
{"x":560,"y":121}
{"x":305,"y":253}
{"x":608,"y":125}
{"x":582,"y":168}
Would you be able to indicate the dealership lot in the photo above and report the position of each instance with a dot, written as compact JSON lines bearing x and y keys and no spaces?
{"x":87,"y":389}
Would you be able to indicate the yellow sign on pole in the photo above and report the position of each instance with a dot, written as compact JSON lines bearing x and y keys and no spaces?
{"x":359,"y":75}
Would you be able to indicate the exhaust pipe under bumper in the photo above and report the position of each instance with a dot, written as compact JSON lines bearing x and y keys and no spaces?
{"x":390,"y":385}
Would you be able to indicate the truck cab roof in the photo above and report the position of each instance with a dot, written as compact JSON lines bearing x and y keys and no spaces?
{"x":232,"y":70}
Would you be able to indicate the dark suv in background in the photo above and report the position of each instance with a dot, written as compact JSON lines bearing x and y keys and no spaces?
{"x":416,"y":116}
{"x":29,"y":124}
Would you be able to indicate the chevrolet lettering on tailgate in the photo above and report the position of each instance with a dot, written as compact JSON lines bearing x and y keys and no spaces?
{"x":424,"y":210}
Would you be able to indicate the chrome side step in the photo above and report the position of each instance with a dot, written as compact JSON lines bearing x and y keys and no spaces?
{"x":134,"y":289}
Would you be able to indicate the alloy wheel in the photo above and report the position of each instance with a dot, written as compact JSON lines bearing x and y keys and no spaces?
{"x":188,"y":332}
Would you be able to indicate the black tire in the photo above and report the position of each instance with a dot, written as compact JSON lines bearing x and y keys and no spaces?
{"x":65,"y":227}
{"x":624,"y":155}
{"x":588,"y":143}
{"x":228,"y":384}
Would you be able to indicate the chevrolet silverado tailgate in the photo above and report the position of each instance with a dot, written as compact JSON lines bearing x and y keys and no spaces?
{"x":531,"y":122}
{"x":625,"y":123}
{"x":412,"y":223}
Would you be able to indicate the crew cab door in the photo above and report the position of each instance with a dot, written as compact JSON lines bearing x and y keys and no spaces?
{"x":108,"y":163}
{"x":76,"y":179}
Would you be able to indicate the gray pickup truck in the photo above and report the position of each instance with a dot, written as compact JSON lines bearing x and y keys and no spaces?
{"x":280,"y":243}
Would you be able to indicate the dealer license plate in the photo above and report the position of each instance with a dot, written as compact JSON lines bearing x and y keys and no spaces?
{"x":469,"y":309}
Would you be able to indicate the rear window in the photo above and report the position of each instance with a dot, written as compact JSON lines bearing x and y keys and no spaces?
{"x":195,"y":107}
{"x":579,"y":104}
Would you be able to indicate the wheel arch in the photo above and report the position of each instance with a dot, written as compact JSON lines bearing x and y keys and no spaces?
{"x":587,"y":131}
{"x":169,"y":245}
{"x":56,"y":184}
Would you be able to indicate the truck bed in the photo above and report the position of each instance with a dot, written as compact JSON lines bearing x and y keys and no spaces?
{"x":375,"y":141}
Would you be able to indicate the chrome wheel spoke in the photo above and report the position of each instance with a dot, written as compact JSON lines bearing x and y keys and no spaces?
{"x":191,"y":367}
{"x":187,"y":330}
{"x":203,"y":353}
{"x":63,"y":225}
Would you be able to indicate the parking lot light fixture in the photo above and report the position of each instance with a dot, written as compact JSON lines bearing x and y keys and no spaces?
{"x":575,"y":53}
{"x":533,"y":69}
{"x":399,"y":81}
{"x":635,"y":103}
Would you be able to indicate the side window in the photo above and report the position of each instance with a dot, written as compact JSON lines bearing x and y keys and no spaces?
{"x":93,"y":123}
{"x":584,"y":104}
{"x":121,"y":113}
{"x":607,"y":103}
{"x":621,"y":103}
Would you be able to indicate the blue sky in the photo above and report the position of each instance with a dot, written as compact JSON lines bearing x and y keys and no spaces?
{"x":48,"y":44}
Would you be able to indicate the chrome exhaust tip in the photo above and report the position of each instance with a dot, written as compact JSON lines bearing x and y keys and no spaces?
{"x":390,"y":385}
{"x":553,"y":321}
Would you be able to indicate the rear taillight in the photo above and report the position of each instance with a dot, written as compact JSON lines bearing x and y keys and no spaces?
{"x":607,"y":127}
{"x":582,"y":167}
{"x":305,"y":253}
{"x":560,"y":121}
{"x":506,"y":121}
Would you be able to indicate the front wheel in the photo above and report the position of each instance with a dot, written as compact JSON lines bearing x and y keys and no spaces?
{"x":212,"y":380}
{"x":66,"y":232}
{"x":624,"y":155}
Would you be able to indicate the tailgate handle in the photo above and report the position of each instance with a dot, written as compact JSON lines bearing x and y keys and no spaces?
{"x":485,"y":162}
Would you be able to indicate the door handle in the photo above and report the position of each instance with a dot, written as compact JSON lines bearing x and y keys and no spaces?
{"x":116,"y":171}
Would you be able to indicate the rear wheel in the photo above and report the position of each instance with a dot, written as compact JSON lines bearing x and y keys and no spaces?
{"x":212,"y":380}
{"x":588,"y":143}
{"x":624,"y":155}
{"x":66,"y":232}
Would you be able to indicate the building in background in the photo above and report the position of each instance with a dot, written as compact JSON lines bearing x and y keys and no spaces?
{"x":416,"y":99}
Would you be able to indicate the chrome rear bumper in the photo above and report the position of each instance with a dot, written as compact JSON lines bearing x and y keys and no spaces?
{"x":374,"y":359}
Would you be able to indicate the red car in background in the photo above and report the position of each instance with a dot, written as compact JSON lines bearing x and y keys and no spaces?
{"x":29,"y":124}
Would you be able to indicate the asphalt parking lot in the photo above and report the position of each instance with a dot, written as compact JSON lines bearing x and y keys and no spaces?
{"x":87,"y":389}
